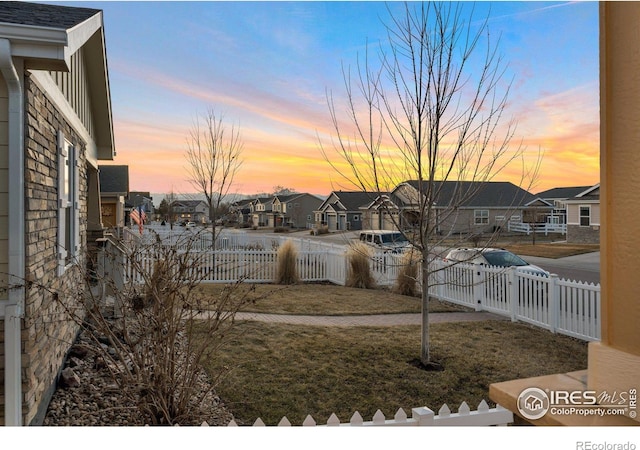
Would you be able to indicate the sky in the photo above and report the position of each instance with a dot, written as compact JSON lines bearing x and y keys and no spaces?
{"x":266,"y":68}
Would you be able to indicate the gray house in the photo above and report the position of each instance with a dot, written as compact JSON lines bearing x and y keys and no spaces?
{"x":343,"y":210}
{"x":461,"y":207}
{"x":294,"y":210}
{"x":583,"y":216}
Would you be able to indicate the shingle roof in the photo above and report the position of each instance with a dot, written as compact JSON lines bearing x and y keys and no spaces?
{"x":490,"y":194}
{"x":354,"y":200}
{"x":39,"y":15}
{"x":114,"y":179}
{"x":562,"y":192}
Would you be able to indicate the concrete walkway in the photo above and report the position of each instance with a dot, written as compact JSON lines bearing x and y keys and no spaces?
{"x":377,"y":320}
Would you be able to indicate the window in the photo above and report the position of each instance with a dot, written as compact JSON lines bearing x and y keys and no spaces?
{"x":68,"y":204}
{"x":585,"y":216}
{"x":481,"y":216}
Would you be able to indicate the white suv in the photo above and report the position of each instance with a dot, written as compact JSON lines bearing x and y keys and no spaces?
{"x":393,"y":241}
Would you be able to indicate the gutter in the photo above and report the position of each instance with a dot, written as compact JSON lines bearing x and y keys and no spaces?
{"x":14,"y":306}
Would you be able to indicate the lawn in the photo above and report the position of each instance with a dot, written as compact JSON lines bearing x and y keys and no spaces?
{"x":286,"y":370}
{"x":329,"y":300}
{"x":552,"y":250}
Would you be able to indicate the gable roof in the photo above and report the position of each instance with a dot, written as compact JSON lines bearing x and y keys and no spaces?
{"x":351,"y":200}
{"x":114,"y":179}
{"x":46,"y":36}
{"x":562,"y":192}
{"x":489,"y":194}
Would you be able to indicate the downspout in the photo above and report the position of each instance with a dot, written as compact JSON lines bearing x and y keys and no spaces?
{"x":14,"y":309}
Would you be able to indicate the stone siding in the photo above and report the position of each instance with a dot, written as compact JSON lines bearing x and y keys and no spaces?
{"x":583,"y":235}
{"x":47,"y":331}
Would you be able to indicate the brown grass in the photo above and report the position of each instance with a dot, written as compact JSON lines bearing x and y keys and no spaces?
{"x":286,"y":272}
{"x":552,"y":250}
{"x":286,"y":370}
{"x":327,"y":299}
{"x":359,"y":271}
{"x":407,"y":282}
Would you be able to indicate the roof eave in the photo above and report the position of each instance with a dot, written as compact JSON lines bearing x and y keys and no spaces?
{"x":47,"y":48}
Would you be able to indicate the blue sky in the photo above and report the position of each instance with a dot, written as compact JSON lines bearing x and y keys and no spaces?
{"x":267,"y":65}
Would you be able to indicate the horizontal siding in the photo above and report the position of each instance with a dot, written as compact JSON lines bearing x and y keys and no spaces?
{"x":595,"y":214}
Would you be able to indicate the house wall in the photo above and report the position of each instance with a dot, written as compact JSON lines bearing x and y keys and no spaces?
{"x":47,"y":330}
{"x":463,"y":220}
{"x":4,"y":187}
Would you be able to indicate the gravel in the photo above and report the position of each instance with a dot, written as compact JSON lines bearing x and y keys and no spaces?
{"x":87,"y":395}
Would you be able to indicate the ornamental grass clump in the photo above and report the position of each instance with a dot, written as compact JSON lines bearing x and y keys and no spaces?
{"x":287,"y":272}
{"x":407,"y":280}
{"x":359,"y":269}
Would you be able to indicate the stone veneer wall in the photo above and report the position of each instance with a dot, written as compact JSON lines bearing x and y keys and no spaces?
{"x":583,"y":235}
{"x":47,"y":330}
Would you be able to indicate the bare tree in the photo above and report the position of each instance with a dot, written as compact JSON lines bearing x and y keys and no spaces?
{"x":213,"y":156}
{"x":431,"y":110}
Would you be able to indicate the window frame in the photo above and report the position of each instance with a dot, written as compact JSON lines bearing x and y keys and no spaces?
{"x":68,"y":204}
{"x":581,"y":216}
{"x":479,"y":217}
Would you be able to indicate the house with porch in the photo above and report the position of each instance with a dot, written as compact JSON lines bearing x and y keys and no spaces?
{"x":460,"y":207}
{"x":55,"y":106}
{"x":556,"y":198}
{"x":260,"y":212}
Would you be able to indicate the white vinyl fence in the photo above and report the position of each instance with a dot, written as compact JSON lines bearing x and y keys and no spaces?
{"x":422,"y":417}
{"x":561,"y":306}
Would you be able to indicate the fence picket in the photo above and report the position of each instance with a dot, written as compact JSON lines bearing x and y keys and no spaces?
{"x":284,"y":422}
{"x":309,"y":422}
{"x":356,"y":419}
{"x":333,"y":420}
{"x":378,"y":418}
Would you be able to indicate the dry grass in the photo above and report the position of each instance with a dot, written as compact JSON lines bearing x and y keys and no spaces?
{"x":552,"y":250}
{"x":286,"y":266}
{"x":407,"y":282}
{"x":280,"y":370}
{"x":359,"y":272}
{"x":327,"y":299}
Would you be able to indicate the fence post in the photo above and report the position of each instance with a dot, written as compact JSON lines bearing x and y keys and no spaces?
{"x":423,"y":416}
{"x":554,"y":302}
{"x":478,"y":283}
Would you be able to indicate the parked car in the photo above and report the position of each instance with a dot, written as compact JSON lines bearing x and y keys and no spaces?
{"x":386,"y":240}
{"x":190,"y":224}
{"x":496,"y":257}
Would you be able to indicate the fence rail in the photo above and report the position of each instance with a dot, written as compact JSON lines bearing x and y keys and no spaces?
{"x":423,"y":417}
{"x":561,"y":306}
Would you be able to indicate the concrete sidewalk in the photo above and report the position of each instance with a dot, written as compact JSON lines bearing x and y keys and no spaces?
{"x":377,"y":320}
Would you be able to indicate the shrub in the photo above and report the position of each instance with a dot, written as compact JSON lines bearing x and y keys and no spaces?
{"x":359,"y":270}
{"x":148,"y":340}
{"x":286,"y":266}
{"x":407,"y":281}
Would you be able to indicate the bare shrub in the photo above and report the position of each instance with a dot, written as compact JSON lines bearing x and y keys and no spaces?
{"x":359,"y":269}
{"x":156,"y":328}
{"x":286,"y":268}
{"x":407,"y":281}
